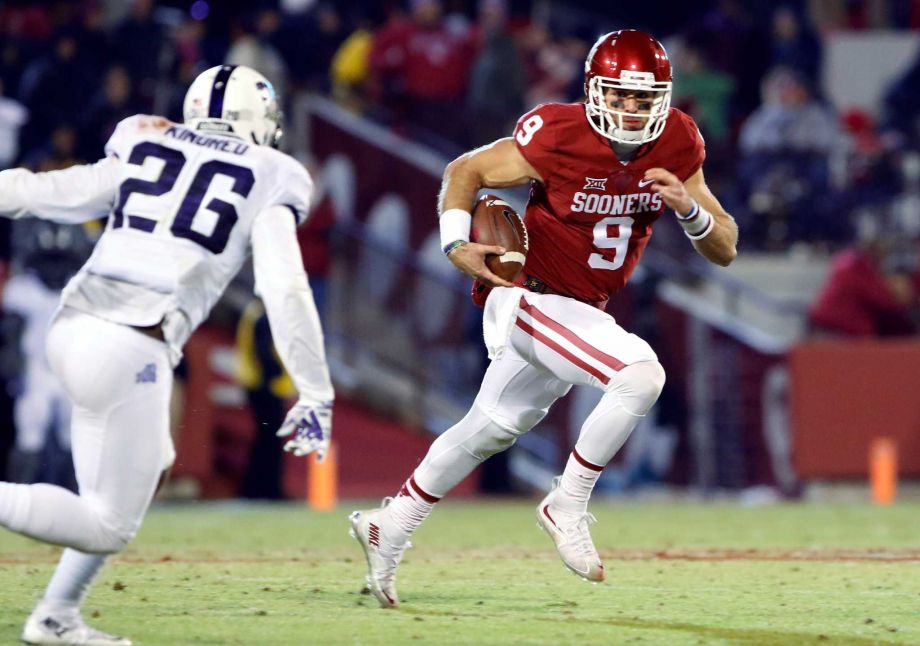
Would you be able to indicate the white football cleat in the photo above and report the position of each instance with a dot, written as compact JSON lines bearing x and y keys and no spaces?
{"x":382,"y":557}
{"x":569,"y":532}
{"x":44,"y":627}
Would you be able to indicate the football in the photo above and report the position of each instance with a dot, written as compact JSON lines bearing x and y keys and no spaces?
{"x":496,"y":223}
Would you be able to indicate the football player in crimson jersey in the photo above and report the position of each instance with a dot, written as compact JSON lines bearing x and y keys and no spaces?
{"x":601,"y":173}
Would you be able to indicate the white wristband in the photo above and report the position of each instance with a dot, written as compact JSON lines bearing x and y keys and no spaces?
{"x":455,"y":225}
{"x":698,"y":223}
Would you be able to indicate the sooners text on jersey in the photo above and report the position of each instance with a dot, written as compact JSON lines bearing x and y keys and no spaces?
{"x":591,"y":217}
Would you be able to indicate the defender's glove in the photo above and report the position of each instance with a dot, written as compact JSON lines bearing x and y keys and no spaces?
{"x":311,"y":426}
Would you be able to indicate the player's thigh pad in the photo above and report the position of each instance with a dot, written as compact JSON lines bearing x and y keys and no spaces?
{"x":577,"y":343}
{"x":516,"y":394}
{"x":120,"y":383}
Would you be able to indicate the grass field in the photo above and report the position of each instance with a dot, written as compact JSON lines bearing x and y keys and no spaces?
{"x":481,"y":573}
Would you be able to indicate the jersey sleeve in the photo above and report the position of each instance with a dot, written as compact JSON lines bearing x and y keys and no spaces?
{"x":692,"y":151}
{"x":292,"y":314}
{"x":70,"y":196}
{"x":293,"y":189}
{"x":535,"y":136}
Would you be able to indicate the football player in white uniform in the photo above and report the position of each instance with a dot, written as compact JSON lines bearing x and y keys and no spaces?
{"x":185,"y":204}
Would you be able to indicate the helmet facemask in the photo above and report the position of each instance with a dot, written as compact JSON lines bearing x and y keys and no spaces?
{"x":609,"y":122}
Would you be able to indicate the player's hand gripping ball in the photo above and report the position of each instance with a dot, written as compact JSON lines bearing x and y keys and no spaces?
{"x":496,"y":223}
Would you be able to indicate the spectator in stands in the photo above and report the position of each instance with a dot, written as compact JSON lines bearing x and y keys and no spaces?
{"x":857,"y":14}
{"x":428,"y":64}
{"x":253,"y":48}
{"x":734,"y":41}
{"x":870,"y":290}
{"x":865,"y":170}
{"x":91,"y":34}
{"x":59,"y":152}
{"x":137,"y":44}
{"x":268,"y":387}
{"x":189,"y":48}
{"x":29,"y":21}
{"x":704,"y":92}
{"x":790,"y":118}
{"x":497,"y":79}
{"x":55,"y":88}
{"x":315,"y":239}
{"x":12,"y":117}
{"x":794,"y":44}
{"x":308,"y":43}
{"x":349,"y":69}
{"x":785,"y":145}
{"x":46,"y":256}
{"x":12,"y":63}
{"x":189,"y":59}
{"x":553,"y":65}
{"x":112,"y":104}
{"x":902,"y":106}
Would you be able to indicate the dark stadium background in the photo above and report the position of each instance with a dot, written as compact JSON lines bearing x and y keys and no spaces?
{"x":783,"y":370}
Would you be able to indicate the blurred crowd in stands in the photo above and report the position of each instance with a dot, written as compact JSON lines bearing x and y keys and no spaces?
{"x":457,"y":73}
{"x":454,"y":74}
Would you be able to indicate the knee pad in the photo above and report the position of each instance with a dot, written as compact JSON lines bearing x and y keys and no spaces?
{"x":638,"y":386}
{"x":112,"y":533}
{"x":490,"y":440}
{"x":520,"y":414}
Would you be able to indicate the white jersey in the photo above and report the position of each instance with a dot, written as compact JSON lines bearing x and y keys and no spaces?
{"x":184,"y":208}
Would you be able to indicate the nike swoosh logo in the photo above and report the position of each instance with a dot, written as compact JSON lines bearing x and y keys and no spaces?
{"x":646,"y":182}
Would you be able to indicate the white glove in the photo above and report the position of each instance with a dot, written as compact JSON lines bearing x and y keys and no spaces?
{"x":311,"y":425}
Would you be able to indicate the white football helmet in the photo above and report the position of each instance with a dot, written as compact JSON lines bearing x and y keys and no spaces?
{"x":234,"y":100}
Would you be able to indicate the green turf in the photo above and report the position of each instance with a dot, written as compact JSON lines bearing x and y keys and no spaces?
{"x":483,"y":574}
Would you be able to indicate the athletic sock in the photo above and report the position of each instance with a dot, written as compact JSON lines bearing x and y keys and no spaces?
{"x":576,"y":484}
{"x":72,"y":579}
{"x":408,"y":510}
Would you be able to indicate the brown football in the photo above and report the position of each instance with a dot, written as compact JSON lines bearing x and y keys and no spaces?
{"x":496,"y":223}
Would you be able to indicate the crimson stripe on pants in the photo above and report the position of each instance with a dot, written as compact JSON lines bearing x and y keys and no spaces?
{"x":604,"y":358}
{"x":565,"y":354}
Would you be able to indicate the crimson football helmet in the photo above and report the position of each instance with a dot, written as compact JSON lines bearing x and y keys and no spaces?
{"x":633,"y":61}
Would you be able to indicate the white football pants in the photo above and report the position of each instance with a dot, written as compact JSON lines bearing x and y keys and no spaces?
{"x":542,"y":345}
{"x":119,"y":381}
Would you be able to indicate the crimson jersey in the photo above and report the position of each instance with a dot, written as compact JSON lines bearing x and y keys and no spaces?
{"x":591,"y":217}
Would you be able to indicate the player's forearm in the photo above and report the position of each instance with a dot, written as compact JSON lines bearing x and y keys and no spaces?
{"x":74,"y":195}
{"x":460,"y":184}
{"x":719,"y":245}
{"x":498,"y":165}
{"x":458,"y":192}
{"x":298,"y":338}
{"x":711,"y":229}
{"x":292,"y":314}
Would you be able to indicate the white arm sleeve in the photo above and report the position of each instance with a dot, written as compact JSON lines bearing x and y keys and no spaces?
{"x":70,"y":196}
{"x":282,"y":284}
